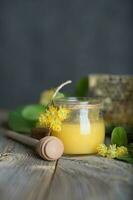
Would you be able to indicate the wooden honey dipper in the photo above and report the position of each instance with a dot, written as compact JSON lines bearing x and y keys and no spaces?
{"x":49,"y":147}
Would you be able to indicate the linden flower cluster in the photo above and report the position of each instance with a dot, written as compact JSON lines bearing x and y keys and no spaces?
{"x":52,"y":118}
{"x":112,"y":151}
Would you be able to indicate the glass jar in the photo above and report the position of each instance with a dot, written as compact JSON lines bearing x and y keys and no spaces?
{"x":84,"y":128}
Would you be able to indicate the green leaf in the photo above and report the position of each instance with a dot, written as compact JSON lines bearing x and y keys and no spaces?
{"x":126,"y":158}
{"x":17,"y":123}
{"x":119,"y":136}
{"x":32,"y":112}
{"x":130,"y":148}
{"x":82,"y":87}
{"x":59,"y":95}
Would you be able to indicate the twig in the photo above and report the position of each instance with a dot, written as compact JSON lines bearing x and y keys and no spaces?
{"x":60,"y":87}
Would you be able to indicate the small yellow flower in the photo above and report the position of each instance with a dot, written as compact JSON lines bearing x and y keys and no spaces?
{"x":52,"y":110}
{"x":55,"y":125}
{"x":112,"y":151}
{"x":121,"y":151}
{"x":52,"y":118}
{"x":42,"y":121}
{"x":102,"y":150}
{"x":63,"y":113}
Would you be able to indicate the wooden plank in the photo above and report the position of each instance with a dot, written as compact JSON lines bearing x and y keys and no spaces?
{"x":91,"y":177}
{"x":23,"y":175}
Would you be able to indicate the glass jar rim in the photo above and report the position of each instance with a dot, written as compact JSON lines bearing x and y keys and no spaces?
{"x":79,"y":101}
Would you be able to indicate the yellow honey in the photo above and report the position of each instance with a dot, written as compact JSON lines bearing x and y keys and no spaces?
{"x":77,"y":141}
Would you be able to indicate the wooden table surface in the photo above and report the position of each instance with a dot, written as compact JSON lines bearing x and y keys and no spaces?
{"x":24,"y":176}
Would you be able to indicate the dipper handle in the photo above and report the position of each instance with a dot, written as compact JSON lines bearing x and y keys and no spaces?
{"x":49,"y":147}
{"x":21,"y":138}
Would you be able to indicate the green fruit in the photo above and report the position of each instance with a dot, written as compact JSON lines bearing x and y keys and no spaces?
{"x":32,"y":112}
{"x":17,"y":123}
{"x":119,"y":136}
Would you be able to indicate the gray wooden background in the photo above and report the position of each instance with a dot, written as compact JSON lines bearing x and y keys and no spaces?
{"x":43,"y":42}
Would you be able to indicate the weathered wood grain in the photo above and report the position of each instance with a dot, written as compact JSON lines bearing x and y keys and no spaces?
{"x":92,"y":178}
{"x":24,"y":176}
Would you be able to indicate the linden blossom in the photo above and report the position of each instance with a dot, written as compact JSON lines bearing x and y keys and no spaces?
{"x":52,"y":118}
{"x":112,"y":151}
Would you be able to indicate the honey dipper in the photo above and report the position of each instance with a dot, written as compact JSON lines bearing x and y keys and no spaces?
{"x":49,"y":147}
